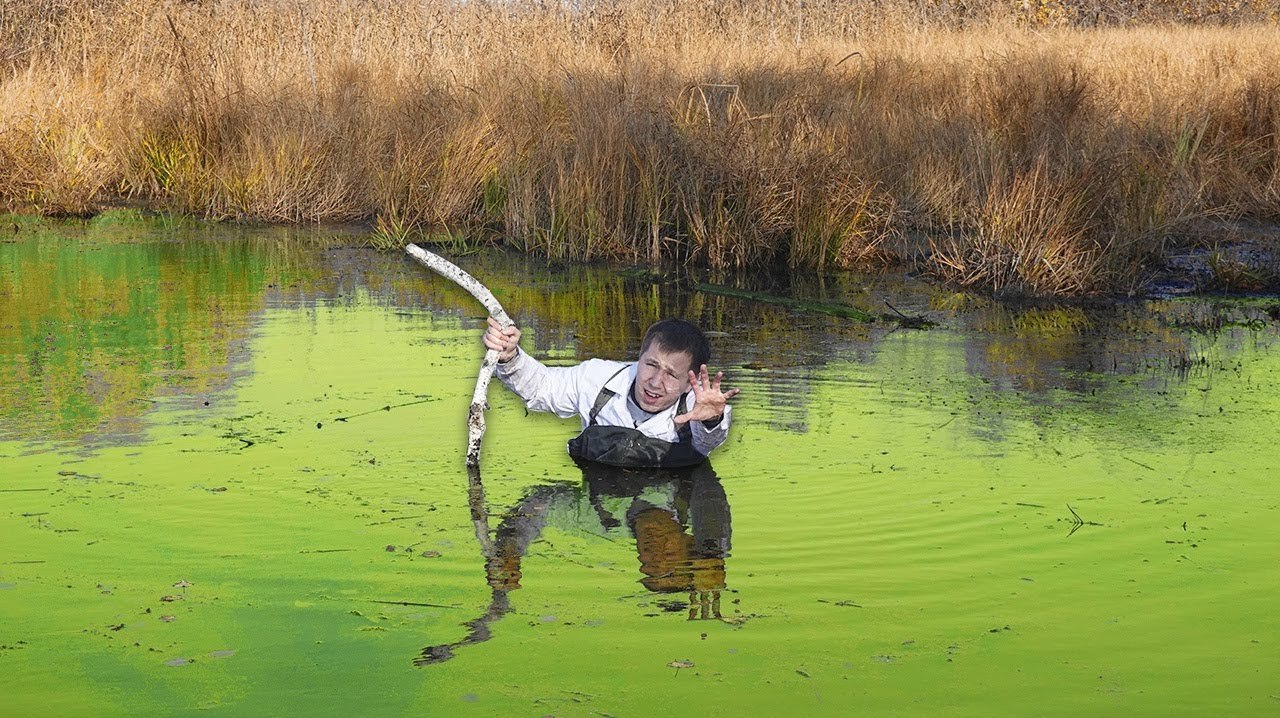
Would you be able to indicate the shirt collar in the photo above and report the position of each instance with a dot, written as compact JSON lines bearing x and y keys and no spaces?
{"x":621,"y":385}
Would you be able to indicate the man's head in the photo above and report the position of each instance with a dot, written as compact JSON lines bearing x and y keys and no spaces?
{"x":670,"y":349}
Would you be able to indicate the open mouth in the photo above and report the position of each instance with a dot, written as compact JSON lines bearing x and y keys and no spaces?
{"x":650,"y":397}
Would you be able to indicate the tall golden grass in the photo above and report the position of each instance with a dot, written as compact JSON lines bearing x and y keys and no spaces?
{"x":1027,"y":146}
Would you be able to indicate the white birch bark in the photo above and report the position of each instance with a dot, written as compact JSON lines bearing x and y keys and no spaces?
{"x":479,"y":400}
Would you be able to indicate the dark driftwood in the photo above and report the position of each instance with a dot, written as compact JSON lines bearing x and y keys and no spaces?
{"x":479,"y":402}
{"x":837,"y":310}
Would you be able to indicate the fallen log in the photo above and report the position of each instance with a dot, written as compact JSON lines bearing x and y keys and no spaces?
{"x":814,"y":307}
{"x":835,"y":310}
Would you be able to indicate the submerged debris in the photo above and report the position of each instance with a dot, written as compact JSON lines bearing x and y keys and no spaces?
{"x":686,"y":663}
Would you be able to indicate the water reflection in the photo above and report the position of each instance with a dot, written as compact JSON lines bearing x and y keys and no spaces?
{"x":678,"y":518}
{"x":98,"y":323}
{"x":91,"y":334}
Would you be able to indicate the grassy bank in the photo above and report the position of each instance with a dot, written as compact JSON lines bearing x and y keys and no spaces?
{"x":1048,"y":149}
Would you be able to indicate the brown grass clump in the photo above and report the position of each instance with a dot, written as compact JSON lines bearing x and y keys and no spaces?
{"x":1044,"y":147}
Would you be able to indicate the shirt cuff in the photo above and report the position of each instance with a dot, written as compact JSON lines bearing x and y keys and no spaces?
{"x":511,"y":364}
{"x":714,"y":424}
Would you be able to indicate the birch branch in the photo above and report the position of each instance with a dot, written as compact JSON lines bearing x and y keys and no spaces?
{"x":479,"y":401}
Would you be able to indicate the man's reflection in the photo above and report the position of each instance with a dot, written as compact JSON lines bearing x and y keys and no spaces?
{"x":679,"y":519}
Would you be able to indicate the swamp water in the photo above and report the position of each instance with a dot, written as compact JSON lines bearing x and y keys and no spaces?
{"x":231,"y":481}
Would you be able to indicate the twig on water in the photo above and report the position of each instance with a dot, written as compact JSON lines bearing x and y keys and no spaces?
{"x":895,"y":309}
{"x":1139,"y":463}
{"x":412,"y":603}
{"x":909,"y":322}
{"x":1077,"y":522}
{"x":388,"y":407}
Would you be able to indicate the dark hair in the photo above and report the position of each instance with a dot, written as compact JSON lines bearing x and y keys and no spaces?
{"x":677,"y":335}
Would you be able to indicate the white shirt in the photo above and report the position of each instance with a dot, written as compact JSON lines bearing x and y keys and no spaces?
{"x":565,"y":391}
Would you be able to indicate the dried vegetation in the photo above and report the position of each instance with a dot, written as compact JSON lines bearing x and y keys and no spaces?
{"x":1040,"y":147}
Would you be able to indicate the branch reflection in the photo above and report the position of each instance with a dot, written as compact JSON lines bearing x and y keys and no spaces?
{"x":679,"y":519}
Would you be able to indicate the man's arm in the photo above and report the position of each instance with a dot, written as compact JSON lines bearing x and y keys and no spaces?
{"x":707,"y":435}
{"x":541,"y":388}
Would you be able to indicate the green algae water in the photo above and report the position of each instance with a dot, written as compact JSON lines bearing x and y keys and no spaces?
{"x":232,"y":482}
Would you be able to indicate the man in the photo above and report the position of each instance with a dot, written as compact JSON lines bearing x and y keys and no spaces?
{"x":640,"y":414}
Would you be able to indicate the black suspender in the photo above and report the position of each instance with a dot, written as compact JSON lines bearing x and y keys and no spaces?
{"x":603,"y":397}
{"x":606,"y":394}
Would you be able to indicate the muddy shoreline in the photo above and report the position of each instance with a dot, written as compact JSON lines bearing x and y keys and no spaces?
{"x":1220,"y":258}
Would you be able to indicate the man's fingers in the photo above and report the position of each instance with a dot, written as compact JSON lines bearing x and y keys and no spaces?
{"x":731,"y":393}
{"x":507,"y":331}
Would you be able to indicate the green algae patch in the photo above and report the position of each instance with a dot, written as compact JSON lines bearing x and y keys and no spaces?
{"x":255,"y":502}
{"x":276,"y":527}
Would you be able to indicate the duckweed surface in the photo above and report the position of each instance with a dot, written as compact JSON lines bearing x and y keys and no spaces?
{"x":232,"y":483}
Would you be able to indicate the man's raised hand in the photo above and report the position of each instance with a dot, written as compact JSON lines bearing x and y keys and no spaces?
{"x":709,"y":400}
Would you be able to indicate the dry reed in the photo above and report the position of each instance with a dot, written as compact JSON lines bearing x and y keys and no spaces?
{"x":1043,"y":147}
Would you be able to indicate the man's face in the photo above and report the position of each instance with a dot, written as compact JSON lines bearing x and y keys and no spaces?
{"x":661,"y":377}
